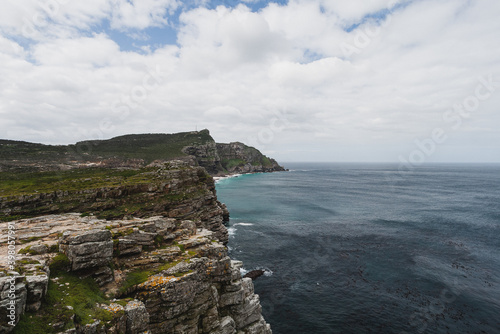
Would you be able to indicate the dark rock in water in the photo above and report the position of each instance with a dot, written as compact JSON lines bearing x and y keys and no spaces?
{"x":254,"y":274}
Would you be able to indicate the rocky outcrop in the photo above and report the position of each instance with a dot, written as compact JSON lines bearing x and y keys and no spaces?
{"x":196,"y":148}
{"x":254,"y":274}
{"x":172,"y":189}
{"x":164,"y":276}
{"x":240,"y":158}
{"x":205,"y":155}
{"x":165,"y":270}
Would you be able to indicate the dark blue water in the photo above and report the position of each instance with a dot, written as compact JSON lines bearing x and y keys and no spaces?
{"x":353,"y":248}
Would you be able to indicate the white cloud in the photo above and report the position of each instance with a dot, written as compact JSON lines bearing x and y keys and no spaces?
{"x":352,"y":11}
{"x":85,"y":51}
{"x":276,"y":78}
{"x":44,"y":19}
{"x":141,"y":14}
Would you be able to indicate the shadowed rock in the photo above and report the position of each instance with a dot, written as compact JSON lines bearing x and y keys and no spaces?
{"x":254,"y":274}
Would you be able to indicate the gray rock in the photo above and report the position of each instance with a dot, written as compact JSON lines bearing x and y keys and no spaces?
{"x":87,"y":249}
{"x":137,"y":317}
{"x":128,"y":247}
{"x":141,"y":238}
{"x":93,"y":328}
{"x":164,"y":224}
{"x":259,"y":327}
{"x":90,"y":255}
{"x":70,"y":331}
{"x":247,"y":285}
{"x":210,"y":320}
{"x":234,"y":286}
{"x":227,"y":326}
{"x":232,"y":298}
{"x":11,"y":309}
{"x":36,"y":287}
{"x":248,"y":312}
{"x":39,"y":249}
{"x":76,"y":238}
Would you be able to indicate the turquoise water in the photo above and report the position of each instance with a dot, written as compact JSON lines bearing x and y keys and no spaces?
{"x":356,"y":248}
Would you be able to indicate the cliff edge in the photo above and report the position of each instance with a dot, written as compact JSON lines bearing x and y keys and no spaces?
{"x":145,"y":254}
{"x":197,"y":148}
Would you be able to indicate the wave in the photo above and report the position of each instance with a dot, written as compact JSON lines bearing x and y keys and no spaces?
{"x":231,"y":231}
{"x":267,"y":272}
{"x":218,"y":179}
{"x":243,"y":224}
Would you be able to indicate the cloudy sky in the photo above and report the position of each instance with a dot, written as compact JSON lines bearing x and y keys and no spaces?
{"x":302,"y":80}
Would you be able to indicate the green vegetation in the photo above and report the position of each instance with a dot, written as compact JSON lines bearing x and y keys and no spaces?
{"x":59,"y":263}
{"x":82,"y":295}
{"x":122,"y":233}
{"x":266,"y":162}
{"x":26,"y":250}
{"x":149,"y":147}
{"x":181,"y":247}
{"x":54,"y":248}
{"x":140,"y":276}
{"x":28,"y":262}
{"x":30,"y":239}
{"x":29,"y":152}
{"x":232,"y":163}
{"x":120,"y":193}
{"x":146,"y":147}
{"x":134,"y":278}
{"x":16,"y":184}
{"x":123,"y":302}
{"x":159,"y":240}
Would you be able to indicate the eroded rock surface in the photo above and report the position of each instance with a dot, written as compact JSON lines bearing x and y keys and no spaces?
{"x":165,"y":271}
{"x":192,"y":285}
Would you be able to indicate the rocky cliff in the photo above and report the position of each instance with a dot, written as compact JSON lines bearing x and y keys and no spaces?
{"x":240,"y":158}
{"x":159,"y":266}
{"x":197,"y":148}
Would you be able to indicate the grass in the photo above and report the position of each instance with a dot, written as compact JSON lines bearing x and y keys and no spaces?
{"x":82,"y":295}
{"x":62,"y":192}
{"x":30,"y":239}
{"x":134,"y":278}
{"x":26,"y":250}
{"x":54,"y":248}
{"x":149,"y":147}
{"x":16,"y":184}
{"x":145,"y":147}
{"x":140,"y":276}
{"x":232,"y":163}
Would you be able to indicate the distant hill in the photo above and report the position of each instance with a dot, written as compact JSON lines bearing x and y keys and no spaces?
{"x":197,"y":148}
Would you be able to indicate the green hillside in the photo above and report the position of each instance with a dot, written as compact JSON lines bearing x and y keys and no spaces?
{"x":145,"y":147}
{"x":149,"y":147}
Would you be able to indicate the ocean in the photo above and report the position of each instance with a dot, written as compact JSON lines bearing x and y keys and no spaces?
{"x":365,"y":248}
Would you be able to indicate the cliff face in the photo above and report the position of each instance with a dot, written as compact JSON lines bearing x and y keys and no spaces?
{"x":240,"y":158}
{"x":167,"y":272}
{"x":172,"y":189}
{"x":197,"y":148}
{"x":206,"y":156}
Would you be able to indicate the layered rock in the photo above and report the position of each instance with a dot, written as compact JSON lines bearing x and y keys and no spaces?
{"x":173,"y":189}
{"x":196,"y":148}
{"x":165,"y":271}
{"x":191,"y":285}
{"x":239,"y":158}
{"x":205,"y":155}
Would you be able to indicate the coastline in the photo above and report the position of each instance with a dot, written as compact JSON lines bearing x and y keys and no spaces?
{"x":220,"y":178}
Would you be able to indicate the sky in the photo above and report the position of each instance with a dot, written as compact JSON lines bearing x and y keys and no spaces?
{"x":407,"y":81}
